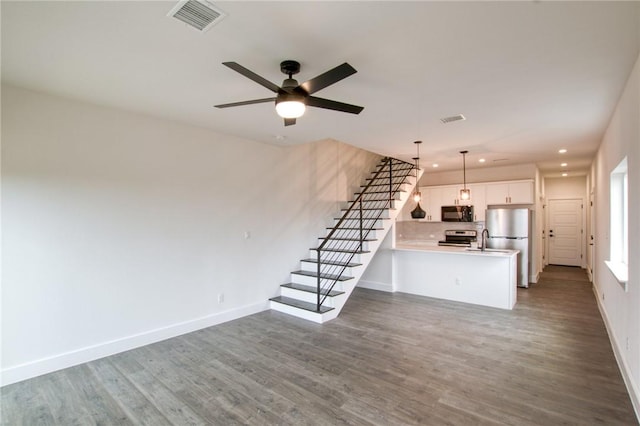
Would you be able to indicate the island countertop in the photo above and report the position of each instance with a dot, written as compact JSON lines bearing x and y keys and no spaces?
{"x":432,"y":246}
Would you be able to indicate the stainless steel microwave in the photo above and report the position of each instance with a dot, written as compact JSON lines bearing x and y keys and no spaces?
{"x":457,"y":213}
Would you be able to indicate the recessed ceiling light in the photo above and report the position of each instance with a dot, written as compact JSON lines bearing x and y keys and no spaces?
{"x":482,"y":160}
{"x":562,"y":151}
{"x":565,"y":174}
{"x":563,"y":165}
{"x":435,"y":165}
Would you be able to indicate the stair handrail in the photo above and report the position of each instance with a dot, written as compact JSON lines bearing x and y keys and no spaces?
{"x":358,"y":201}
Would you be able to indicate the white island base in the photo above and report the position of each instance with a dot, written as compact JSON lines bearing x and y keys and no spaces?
{"x":452,"y":273}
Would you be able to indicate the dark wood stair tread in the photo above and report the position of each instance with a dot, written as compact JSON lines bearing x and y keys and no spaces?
{"x":353,"y":229}
{"x":341,"y":250}
{"x":374,"y":200}
{"x":365,"y":240}
{"x":311,"y":289}
{"x":314,"y":274}
{"x":379,"y":192}
{"x":311,"y":307}
{"x":333,"y":262}
{"x":364,"y":219}
{"x":385,"y":184}
{"x":367,"y":209}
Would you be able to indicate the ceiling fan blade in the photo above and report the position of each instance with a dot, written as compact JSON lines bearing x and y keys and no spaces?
{"x":289,"y":121}
{"x":252,"y":76}
{"x":328,"y":78}
{"x":254,"y":101}
{"x":334,"y":105}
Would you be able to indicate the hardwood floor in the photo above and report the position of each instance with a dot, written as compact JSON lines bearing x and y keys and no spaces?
{"x":389,"y":359}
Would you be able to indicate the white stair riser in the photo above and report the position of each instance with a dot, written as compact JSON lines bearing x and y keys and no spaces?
{"x":366,"y":204}
{"x":340,"y":257}
{"x":367,"y":215}
{"x":344,"y":245}
{"x":355,"y":223}
{"x":305,"y":296}
{"x":353,"y":233}
{"x":313,"y":267}
{"x":305,"y":280}
{"x":374,"y":200}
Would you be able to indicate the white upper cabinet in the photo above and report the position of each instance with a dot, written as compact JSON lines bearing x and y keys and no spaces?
{"x":478,"y":201}
{"x":516,"y":192}
{"x":449,"y":195}
{"x":431,"y":202}
{"x":482,"y":195}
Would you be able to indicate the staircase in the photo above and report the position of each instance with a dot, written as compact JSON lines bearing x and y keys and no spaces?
{"x":325,"y":280}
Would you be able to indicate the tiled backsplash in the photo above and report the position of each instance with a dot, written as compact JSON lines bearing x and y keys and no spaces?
{"x":415,"y":230}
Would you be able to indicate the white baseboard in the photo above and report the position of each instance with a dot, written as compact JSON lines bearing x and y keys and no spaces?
{"x":627,"y":376}
{"x":69,"y":359}
{"x":373,"y":285}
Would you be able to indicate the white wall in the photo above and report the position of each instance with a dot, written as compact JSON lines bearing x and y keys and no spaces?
{"x":565,"y":188}
{"x":483,"y":174}
{"x":620,"y":309}
{"x":121,"y":229}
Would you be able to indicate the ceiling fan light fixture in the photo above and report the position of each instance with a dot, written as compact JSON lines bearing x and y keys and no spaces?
{"x":290,"y":108}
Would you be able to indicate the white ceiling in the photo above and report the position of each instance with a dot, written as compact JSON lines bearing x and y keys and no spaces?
{"x":531,"y":77}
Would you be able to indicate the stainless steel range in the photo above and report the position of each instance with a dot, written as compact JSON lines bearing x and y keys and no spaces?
{"x":459,"y":237}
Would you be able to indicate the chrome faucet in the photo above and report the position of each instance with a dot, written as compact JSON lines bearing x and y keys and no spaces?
{"x":483,"y":239}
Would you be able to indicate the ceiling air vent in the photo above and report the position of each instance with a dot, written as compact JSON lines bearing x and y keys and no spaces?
{"x":453,"y":118}
{"x":200,"y":14}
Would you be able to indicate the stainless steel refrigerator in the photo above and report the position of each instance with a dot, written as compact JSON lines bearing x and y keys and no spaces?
{"x":509,"y":229}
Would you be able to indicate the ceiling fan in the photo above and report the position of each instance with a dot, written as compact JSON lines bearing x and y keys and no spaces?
{"x":293,"y":98}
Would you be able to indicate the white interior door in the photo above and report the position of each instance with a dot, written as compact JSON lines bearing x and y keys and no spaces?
{"x":565,"y":232}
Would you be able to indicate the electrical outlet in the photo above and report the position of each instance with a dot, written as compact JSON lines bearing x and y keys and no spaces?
{"x":457,"y":281}
{"x":627,"y":343}
{"x":221,"y":298}
{"x":247,"y":235}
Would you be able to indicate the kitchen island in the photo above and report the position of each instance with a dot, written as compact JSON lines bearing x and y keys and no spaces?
{"x":460,"y":274}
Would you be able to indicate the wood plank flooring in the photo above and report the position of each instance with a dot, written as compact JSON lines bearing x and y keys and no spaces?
{"x":389,"y":359}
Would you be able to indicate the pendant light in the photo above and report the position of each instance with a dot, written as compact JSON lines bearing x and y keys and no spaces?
{"x":417,"y":213}
{"x":465,"y":194}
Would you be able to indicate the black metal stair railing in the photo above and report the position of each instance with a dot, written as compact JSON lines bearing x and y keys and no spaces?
{"x":336,"y":251}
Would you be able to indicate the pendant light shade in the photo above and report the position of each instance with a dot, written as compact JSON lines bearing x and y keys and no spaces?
{"x":417,"y":196}
{"x":465,"y":194}
{"x":417,"y":213}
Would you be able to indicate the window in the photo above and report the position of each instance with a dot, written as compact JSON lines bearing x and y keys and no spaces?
{"x":619,"y":223}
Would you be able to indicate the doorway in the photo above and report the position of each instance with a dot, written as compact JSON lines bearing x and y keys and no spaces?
{"x":565,"y":232}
